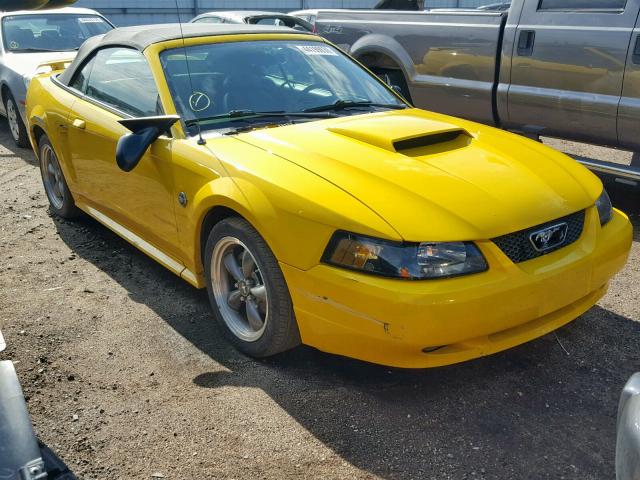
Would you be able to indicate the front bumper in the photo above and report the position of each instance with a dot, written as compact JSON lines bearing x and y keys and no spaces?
{"x":419,"y":324}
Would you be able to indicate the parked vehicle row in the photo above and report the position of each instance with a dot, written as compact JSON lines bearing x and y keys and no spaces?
{"x":29,"y":38}
{"x":562,"y":68}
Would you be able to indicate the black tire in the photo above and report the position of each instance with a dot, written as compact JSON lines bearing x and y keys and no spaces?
{"x":19,"y":131}
{"x":635,"y":159}
{"x":281,"y":329}
{"x":395,"y":79}
{"x":64,"y":206}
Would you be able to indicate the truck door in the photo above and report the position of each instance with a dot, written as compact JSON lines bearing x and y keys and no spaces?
{"x":567,"y":67}
{"x":629,"y":110}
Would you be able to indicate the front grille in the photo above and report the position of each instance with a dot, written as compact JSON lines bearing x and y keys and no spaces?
{"x":519,"y":248}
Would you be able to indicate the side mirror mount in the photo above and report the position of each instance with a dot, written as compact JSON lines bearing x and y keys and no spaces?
{"x":144,"y":131}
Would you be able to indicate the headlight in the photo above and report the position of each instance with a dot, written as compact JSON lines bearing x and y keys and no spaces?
{"x":605,"y":209}
{"x":413,"y":261}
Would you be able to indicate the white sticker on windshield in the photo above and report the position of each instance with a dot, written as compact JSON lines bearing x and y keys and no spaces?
{"x":317,"y":50}
{"x":90,"y":20}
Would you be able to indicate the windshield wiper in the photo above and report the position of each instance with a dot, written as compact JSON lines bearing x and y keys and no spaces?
{"x":256,"y":126}
{"x":344,"y":104}
{"x":235,"y":115}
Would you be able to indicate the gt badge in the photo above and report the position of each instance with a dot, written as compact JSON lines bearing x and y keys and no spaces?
{"x":549,"y":237}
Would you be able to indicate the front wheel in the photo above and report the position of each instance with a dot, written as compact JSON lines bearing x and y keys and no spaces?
{"x":247,"y":290}
{"x":16,"y":125}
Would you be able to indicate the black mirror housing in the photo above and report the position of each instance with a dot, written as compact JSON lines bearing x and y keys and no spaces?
{"x":144,"y":131}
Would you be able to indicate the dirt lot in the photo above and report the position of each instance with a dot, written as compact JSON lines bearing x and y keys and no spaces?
{"x":127,"y":376}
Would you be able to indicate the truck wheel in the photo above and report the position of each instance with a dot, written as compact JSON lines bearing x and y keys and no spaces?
{"x":16,"y":125}
{"x":247,"y":290}
{"x":395,"y":79}
{"x":55,"y":186}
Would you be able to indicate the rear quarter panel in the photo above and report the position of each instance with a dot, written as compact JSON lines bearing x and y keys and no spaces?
{"x":48,"y":108}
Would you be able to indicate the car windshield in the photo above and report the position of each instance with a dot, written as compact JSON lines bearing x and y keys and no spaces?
{"x":50,"y":33}
{"x":221,"y":84}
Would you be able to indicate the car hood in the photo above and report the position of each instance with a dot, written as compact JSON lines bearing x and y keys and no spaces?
{"x":434,"y":177}
{"x":27,"y":62}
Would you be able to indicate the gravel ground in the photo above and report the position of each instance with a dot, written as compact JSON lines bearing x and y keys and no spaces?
{"x":127,"y":376}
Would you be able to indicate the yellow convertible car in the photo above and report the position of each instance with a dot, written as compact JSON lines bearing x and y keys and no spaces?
{"x":314,"y":204}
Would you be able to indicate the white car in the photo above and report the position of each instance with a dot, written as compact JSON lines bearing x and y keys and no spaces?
{"x":252,"y":17}
{"x":29,"y":38}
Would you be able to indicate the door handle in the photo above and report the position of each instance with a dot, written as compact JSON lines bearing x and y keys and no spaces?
{"x":636,"y":52}
{"x":79,"y":123}
{"x":525,"y":43}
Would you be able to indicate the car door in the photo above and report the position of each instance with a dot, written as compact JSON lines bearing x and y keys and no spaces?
{"x":629,"y":110}
{"x":117,"y":83}
{"x":568,"y":65}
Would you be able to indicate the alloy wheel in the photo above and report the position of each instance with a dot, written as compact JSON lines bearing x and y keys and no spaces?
{"x":12,"y":118}
{"x":52,"y":176}
{"x":239,"y":289}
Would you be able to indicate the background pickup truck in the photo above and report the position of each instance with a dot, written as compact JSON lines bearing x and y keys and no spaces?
{"x":559,"y":68}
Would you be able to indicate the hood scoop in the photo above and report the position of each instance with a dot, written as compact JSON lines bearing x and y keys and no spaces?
{"x":404,"y":134}
{"x":433,"y":143}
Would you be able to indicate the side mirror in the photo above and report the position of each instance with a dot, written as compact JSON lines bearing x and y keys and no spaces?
{"x":132,"y":146}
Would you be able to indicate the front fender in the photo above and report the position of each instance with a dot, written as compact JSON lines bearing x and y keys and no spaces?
{"x":221,"y":192}
{"x":282,"y":228}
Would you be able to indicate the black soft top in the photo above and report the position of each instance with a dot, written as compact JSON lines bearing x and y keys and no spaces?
{"x":141,"y":36}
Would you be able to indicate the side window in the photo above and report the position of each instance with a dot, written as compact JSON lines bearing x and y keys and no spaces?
{"x":209,"y":20}
{"x":616,"y":5}
{"x":81,"y":78}
{"x":121,"y":78}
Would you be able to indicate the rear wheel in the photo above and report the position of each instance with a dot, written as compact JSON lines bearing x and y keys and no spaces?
{"x":16,"y":125}
{"x":55,"y":186}
{"x":247,"y":290}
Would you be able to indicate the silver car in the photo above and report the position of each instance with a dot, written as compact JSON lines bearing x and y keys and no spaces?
{"x":628,"y":444}
{"x":29,"y":38}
